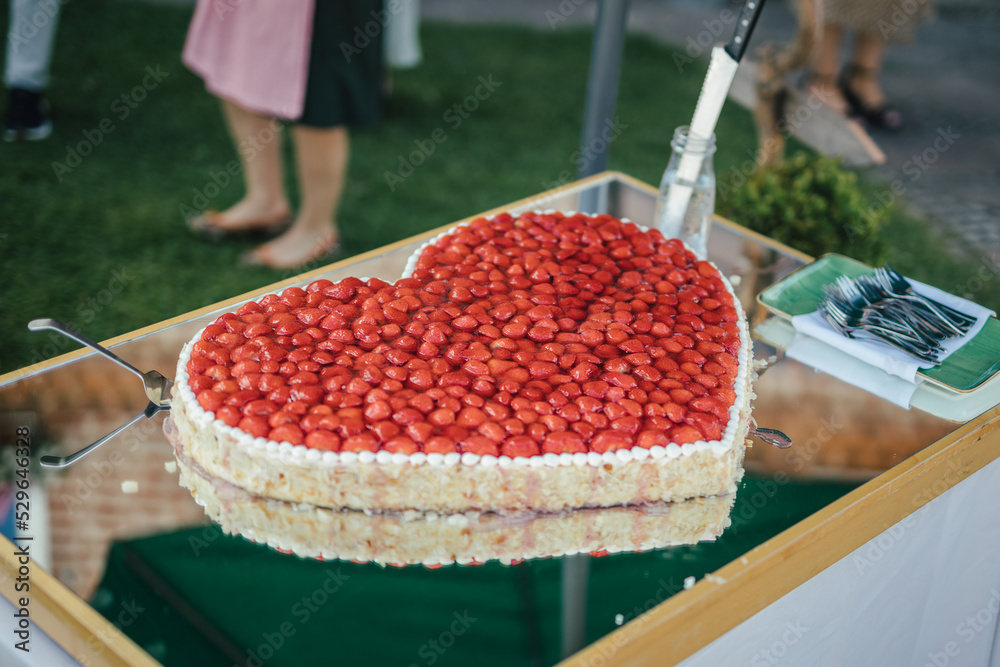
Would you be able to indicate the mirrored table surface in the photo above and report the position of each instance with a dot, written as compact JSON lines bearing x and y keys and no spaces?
{"x":132,"y":571}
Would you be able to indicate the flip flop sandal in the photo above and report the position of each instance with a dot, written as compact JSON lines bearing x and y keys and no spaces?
{"x":329,"y":245}
{"x":216,"y":226}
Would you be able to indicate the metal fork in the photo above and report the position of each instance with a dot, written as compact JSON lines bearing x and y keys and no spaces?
{"x":846,"y":318}
{"x":911,"y":307}
{"x":896,"y":285}
{"x":892,"y":311}
{"x":157,"y":387}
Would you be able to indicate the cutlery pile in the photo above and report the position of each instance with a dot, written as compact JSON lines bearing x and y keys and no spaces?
{"x":883,"y":305}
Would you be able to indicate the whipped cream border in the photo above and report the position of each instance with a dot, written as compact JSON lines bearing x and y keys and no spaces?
{"x":290,"y":453}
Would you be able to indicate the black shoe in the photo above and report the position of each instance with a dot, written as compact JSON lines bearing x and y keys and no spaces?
{"x":27,"y":116}
{"x":885,"y":117}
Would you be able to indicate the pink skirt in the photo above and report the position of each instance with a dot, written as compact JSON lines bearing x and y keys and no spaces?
{"x":254,"y":53}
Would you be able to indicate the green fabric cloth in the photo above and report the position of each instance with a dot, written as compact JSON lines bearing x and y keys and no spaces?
{"x":199,"y":597}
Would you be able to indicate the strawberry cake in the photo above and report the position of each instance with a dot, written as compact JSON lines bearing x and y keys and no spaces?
{"x":539,"y":362}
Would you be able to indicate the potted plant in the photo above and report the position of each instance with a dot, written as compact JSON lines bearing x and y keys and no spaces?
{"x":808,"y":202}
{"x":811,"y":203}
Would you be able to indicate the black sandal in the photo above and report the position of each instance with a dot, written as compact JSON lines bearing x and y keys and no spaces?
{"x":885,"y":117}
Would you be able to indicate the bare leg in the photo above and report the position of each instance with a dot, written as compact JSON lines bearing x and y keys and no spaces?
{"x":863,"y":79}
{"x":321,"y":160}
{"x":258,"y":142}
{"x":823,"y":84}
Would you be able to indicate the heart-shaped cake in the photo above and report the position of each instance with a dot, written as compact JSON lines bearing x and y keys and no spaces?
{"x":545,"y":361}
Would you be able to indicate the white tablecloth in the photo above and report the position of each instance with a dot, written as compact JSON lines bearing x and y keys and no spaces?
{"x":925,"y":592}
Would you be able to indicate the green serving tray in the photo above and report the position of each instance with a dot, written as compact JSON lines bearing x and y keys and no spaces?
{"x":800,"y":292}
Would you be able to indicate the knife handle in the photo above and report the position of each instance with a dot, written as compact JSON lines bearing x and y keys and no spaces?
{"x":745,"y":23}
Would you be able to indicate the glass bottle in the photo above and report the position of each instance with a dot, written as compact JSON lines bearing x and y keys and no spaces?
{"x":693,"y":227}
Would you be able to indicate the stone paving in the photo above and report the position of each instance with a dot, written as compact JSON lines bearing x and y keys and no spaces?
{"x":946,"y":158}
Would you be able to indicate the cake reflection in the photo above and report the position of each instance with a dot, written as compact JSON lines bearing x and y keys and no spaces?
{"x":430,"y":538}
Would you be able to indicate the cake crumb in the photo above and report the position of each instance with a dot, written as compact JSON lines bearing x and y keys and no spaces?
{"x":170,"y":466}
{"x":688,"y":582}
{"x":715,"y":579}
{"x":619,"y":619}
{"x":744,"y":560}
{"x":130,"y":486}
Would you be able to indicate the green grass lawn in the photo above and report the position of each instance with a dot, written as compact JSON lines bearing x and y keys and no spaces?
{"x":99,"y":241}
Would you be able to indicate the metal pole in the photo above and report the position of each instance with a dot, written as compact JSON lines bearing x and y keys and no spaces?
{"x":575,"y":572}
{"x":602,"y":91}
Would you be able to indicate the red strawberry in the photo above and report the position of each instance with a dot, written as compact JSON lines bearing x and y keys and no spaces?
{"x":520,"y":445}
{"x":560,"y":442}
{"x":606,"y":441}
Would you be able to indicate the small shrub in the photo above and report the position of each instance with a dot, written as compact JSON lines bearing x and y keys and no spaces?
{"x":812,"y":204}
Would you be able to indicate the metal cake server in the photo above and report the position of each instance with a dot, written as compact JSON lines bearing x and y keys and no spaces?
{"x":64,"y":461}
{"x":156,"y":386}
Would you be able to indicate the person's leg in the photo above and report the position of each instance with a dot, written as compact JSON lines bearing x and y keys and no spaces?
{"x":30,"y":36}
{"x":861,"y":86}
{"x":264,"y":205}
{"x":321,"y":156}
{"x":823,"y":82}
{"x":866,"y":65}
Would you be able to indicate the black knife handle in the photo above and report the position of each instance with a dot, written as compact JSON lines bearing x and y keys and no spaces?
{"x":745,"y":23}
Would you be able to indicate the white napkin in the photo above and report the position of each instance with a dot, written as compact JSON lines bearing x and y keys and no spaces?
{"x":872,"y":365}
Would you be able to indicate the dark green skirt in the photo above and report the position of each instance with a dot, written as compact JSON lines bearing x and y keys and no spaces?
{"x":343,"y":85}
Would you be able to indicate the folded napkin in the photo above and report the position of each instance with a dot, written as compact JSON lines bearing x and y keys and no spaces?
{"x":871,"y":364}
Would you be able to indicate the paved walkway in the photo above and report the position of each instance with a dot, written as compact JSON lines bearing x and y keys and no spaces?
{"x":945,"y":161}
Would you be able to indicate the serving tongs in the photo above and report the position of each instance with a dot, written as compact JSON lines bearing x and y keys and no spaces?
{"x":156,"y":386}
